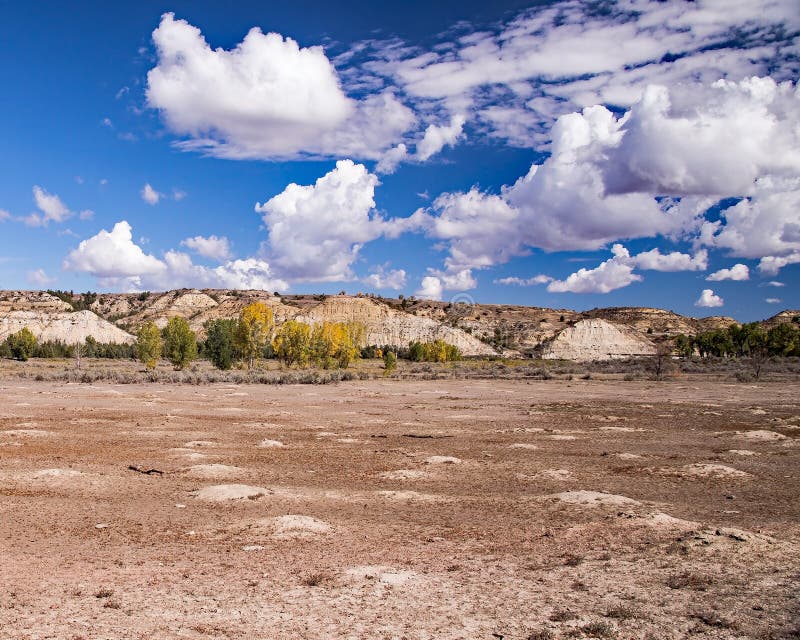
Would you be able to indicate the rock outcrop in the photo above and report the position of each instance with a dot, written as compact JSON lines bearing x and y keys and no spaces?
{"x":597,"y":340}
{"x":387,"y":326}
{"x":61,"y":326}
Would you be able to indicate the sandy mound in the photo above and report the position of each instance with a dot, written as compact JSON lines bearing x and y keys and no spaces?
{"x":270,"y":444}
{"x":188,"y":454}
{"x":293,"y":527}
{"x":405,"y":474}
{"x":666,"y":521}
{"x":348,"y":440}
{"x":213,"y":471}
{"x":442,"y":460}
{"x":594,"y":498}
{"x":561,"y":436}
{"x":709,"y":470}
{"x":761,"y":434}
{"x":553,"y":474}
{"x":231,"y":492}
{"x":522,"y":445}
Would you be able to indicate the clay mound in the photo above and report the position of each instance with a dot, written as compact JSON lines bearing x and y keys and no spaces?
{"x":762,"y":434}
{"x":597,"y":339}
{"x":231,"y":492}
{"x":709,"y":470}
{"x":64,"y":327}
{"x":442,"y":460}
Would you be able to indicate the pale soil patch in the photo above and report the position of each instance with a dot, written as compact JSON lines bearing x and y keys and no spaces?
{"x":561,"y":436}
{"x":271,"y":444}
{"x":522,"y":445}
{"x":405,"y":474}
{"x":382,"y":574}
{"x":410,"y":496}
{"x":231,"y":492}
{"x":743,"y":452}
{"x":188,"y":454}
{"x":25,"y":433}
{"x":291,"y":527}
{"x":442,"y":460}
{"x":594,"y":498}
{"x":200,"y":444}
{"x":628,"y":456}
{"x":762,"y":434}
{"x":554,"y":474}
{"x":624,"y":429}
{"x":213,"y":471}
{"x":711,"y":470}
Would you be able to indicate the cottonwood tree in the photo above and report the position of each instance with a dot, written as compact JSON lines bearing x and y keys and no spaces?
{"x":254,"y":331}
{"x":148,"y":344}
{"x":292,"y":343}
{"x":180,"y":343}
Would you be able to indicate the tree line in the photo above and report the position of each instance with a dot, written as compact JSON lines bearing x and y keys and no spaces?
{"x":745,"y":340}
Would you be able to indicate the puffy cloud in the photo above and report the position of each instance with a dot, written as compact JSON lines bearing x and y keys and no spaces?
{"x":437,"y":137}
{"x":113,"y":254}
{"x":150,"y":195}
{"x":119,"y":263}
{"x":316,"y":231}
{"x":774,"y":283}
{"x":738,"y":271}
{"x":266,"y":98}
{"x":614,"y":273}
{"x":524,"y":282}
{"x":772,"y":300}
{"x":213,"y":247}
{"x":654,"y":260}
{"x":618,"y":271}
{"x":709,"y":299}
{"x":39,"y":278}
{"x":430,"y":288}
{"x":480,"y":229}
{"x":392,"y":158}
{"x":771,"y":265}
{"x":384,"y":278}
{"x":51,"y":209}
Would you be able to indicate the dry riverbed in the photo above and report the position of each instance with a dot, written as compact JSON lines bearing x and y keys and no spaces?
{"x":400,"y":509}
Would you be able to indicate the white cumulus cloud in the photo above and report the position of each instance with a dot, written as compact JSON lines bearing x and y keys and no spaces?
{"x":709,"y":299}
{"x":51,"y":209}
{"x":614,"y":273}
{"x":213,"y":247}
{"x":524,"y":282}
{"x":266,"y":98}
{"x":437,"y":137}
{"x":40,"y":278}
{"x":383,"y":278}
{"x":738,"y":271}
{"x":430,"y":288}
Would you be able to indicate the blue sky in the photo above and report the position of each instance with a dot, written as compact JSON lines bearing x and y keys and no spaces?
{"x":559,"y":154}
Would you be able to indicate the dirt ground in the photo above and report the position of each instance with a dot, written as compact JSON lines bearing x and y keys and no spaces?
{"x":400,"y":509}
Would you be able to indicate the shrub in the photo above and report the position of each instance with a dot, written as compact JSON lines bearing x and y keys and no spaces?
{"x":389,"y":361}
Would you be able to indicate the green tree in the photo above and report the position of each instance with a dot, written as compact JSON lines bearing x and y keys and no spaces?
{"x":254,"y":331}
{"x":180,"y":343}
{"x":389,"y":361}
{"x":148,"y":344}
{"x":219,"y":346}
{"x":292,"y":343}
{"x":21,"y":344}
{"x":684,"y":346}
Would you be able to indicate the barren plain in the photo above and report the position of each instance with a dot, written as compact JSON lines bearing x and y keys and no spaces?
{"x":400,"y":509}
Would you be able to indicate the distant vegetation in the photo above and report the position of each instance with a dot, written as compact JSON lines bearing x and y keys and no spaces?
{"x":746,"y":340}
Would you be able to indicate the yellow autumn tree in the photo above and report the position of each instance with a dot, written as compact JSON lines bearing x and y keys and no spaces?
{"x":336,"y":343}
{"x":148,"y":344}
{"x":292,"y":343}
{"x":254,"y":331}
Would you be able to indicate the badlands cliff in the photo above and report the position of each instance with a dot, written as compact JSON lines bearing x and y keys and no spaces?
{"x":476,"y":329}
{"x":596,"y":339}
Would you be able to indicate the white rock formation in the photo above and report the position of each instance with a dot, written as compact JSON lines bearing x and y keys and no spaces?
{"x":62,"y":326}
{"x":597,"y":340}
{"x":388,"y":326}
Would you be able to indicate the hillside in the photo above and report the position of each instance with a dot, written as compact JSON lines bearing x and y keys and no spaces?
{"x":477,"y":329}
